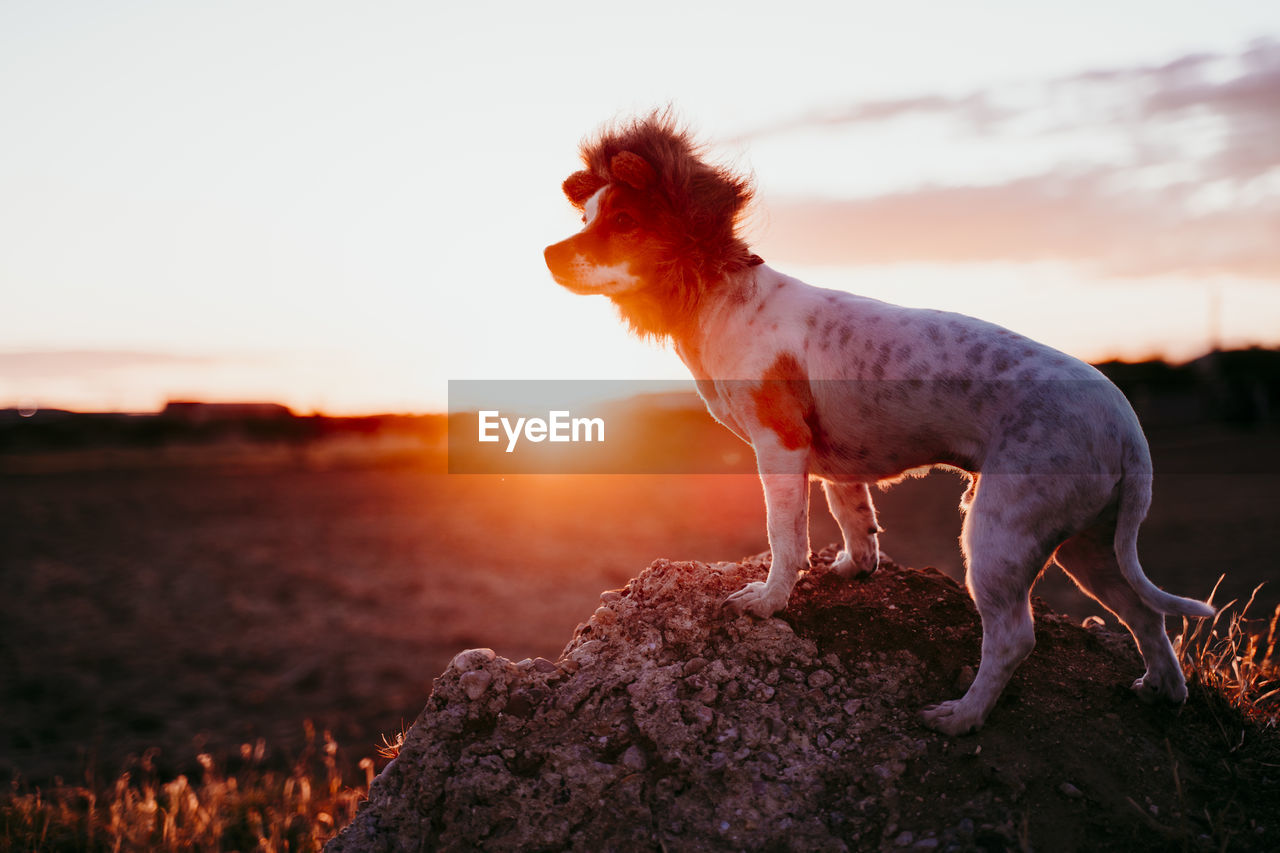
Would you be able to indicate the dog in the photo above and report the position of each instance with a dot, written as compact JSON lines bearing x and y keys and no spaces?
{"x":852,"y":391}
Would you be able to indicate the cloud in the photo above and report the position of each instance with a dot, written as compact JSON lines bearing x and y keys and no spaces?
{"x":975,"y":110}
{"x":47,"y":364}
{"x":1246,"y":104}
{"x":1063,"y":217}
{"x":1194,"y":189}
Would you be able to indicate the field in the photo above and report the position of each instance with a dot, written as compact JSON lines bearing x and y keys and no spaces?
{"x":193,"y":606}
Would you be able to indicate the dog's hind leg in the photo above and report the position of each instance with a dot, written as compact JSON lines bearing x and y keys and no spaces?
{"x":1005,"y":553}
{"x":1089,"y":558}
{"x":851,"y":506}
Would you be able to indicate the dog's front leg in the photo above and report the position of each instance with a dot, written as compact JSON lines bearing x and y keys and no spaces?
{"x":785,"y":478}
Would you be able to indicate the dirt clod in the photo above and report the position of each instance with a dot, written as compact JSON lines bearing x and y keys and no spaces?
{"x":668,"y":724}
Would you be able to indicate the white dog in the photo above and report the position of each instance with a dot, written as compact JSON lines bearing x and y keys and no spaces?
{"x":853,"y":391}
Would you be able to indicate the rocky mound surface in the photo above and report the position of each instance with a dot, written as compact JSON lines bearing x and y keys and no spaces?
{"x":666,"y":724}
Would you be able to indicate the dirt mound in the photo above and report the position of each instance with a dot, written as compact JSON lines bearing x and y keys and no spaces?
{"x":666,"y":724}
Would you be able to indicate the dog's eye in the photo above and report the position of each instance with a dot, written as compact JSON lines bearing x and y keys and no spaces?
{"x":623,"y":222}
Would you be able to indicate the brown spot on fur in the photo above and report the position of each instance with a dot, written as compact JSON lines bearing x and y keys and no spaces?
{"x":784,"y":403}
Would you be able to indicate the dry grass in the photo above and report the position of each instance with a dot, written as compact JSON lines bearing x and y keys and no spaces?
{"x":1235,"y":657}
{"x":251,"y":808}
{"x":256,"y":808}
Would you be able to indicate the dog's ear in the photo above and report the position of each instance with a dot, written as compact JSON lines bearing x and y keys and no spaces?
{"x":580,"y":186}
{"x":632,"y":169}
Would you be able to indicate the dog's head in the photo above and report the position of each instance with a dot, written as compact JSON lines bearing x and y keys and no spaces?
{"x":659,"y":225}
{"x":620,"y":247}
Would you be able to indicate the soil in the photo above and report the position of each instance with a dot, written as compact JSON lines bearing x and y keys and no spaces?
{"x":669,"y":724}
{"x":1070,"y":752}
{"x":194,"y":607}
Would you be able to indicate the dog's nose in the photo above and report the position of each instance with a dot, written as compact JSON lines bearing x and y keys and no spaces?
{"x":552,"y":254}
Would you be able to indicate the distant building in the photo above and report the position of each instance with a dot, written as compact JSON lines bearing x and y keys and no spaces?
{"x":204,"y":413}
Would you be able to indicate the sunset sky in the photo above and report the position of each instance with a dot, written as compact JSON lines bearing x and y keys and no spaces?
{"x":342,"y":206}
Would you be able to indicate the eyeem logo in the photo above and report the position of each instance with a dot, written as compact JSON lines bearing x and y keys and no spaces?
{"x":558,"y":427}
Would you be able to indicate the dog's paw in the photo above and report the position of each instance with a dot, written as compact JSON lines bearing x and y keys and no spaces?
{"x":951,"y":718}
{"x":847,"y":565}
{"x":757,"y":599}
{"x":1153,"y":691}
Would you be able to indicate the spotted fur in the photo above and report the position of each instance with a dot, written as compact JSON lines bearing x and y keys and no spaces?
{"x":854,"y":392}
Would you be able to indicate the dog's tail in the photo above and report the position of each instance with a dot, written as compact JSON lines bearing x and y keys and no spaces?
{"x":1135,"y":500}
